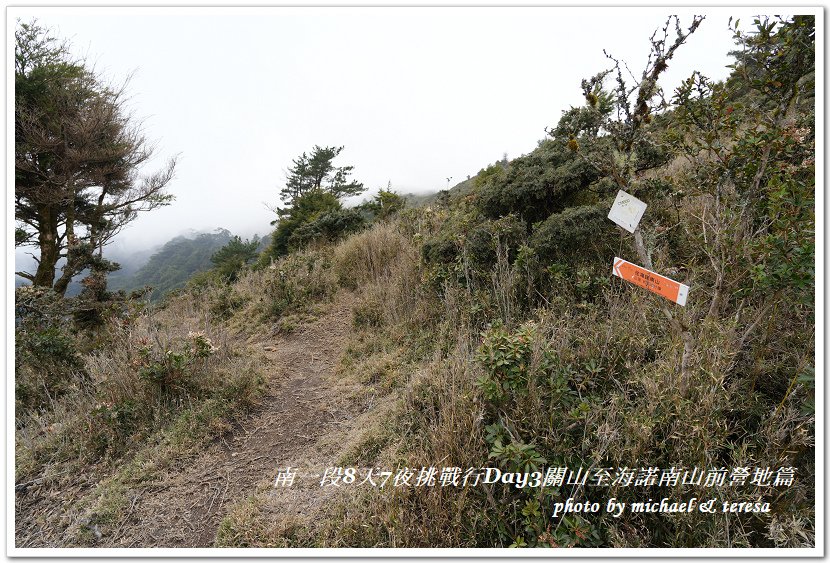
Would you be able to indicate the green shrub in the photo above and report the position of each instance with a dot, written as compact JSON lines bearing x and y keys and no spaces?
{"x":170,"y":369}
{"x":536,"y":185}
{"x":47,"y":359}
{"x":233,"y":257}
{"x":305,"y":209}
{"x":327,"y":227}
{"x":506,"y":358}
{"x":577,"y":234}
{"x":489,"y":237}
{"x":46,"y":364}
{"x":112,"y":423}
{"x":225,"y":301}
{"x":467,"y":248}
{"x":385,"y":205}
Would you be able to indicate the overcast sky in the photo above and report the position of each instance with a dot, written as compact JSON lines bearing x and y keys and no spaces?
{"x":416,"y":95}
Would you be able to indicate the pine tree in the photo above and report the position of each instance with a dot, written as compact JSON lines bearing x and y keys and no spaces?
{"x":317,"y":172}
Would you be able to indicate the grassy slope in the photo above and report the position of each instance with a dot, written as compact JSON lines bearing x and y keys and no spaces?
{"x":509,"y":363}
{"x":601,"y":389}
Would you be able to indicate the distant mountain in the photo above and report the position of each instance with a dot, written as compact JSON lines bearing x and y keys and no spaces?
{"x":130,"y":263}
{"x":164,"y":268}
{"x":417,"y":200}
{"x":459,"y":190}
{"x":174,"y":263}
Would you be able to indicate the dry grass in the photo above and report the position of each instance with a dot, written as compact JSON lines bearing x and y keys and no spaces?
{"x":117,"y":403}
{"x":409,"y":379}
{"x":118,"y":414}
{"x":384,"y":264}
{"x":622,"y":365}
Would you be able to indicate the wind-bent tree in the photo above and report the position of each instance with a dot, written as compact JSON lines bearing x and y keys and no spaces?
{"x":313,"y":211}
{"x":77,"y":152}
{"x":317,"y":172}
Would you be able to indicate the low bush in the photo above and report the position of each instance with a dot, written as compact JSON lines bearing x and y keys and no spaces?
{"x":576,"y":235}
{"x":536,"y":185}
{"x":291,"y":284}
{"x":48,"y":360}
{"x":326,"y":228}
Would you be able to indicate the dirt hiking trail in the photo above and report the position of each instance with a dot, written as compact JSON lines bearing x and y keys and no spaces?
{"x":301,"y":404}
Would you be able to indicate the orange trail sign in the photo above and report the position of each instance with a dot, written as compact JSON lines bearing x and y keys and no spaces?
{"x":661,"y":285}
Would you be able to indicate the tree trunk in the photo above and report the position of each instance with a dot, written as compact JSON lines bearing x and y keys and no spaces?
{"x":62,"y":284}
{"x":48,"y":243}
{"x":68,"y":270}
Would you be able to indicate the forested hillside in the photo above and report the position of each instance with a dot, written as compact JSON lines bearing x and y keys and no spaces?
{"x":176,"y":262}
{"x":162,"y":269}
{"x":487,"y":334}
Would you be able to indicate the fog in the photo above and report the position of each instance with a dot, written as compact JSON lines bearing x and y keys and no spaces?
{"x":416,"y":95}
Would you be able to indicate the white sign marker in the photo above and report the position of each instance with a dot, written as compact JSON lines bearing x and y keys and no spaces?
{"x":627,"y":211}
